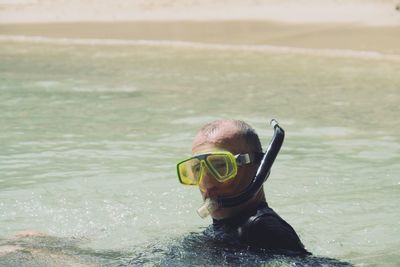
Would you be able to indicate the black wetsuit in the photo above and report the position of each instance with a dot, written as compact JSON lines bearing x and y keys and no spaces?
{"x":259,"y":228}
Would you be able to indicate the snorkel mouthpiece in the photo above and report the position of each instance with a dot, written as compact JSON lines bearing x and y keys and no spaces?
{"x":208,"y":207}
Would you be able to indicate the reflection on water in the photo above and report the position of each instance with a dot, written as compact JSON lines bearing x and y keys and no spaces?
{"x":89,"y":138}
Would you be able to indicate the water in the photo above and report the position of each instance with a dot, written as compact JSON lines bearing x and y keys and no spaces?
{"x":90,"y":135}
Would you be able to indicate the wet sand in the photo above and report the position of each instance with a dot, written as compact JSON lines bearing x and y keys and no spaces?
{"x":384,"y":39}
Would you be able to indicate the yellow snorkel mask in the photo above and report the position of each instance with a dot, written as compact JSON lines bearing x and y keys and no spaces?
{"x":221,"y":164}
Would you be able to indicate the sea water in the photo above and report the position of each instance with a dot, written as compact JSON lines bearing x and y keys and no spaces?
{"x":90,"y":135}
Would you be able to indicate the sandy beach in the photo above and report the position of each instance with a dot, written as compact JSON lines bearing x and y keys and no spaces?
{"x":368,"y":26}
{"x":340,"y":36}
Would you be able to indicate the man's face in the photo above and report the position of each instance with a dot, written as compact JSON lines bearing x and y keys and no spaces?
{"x":224,"y":139}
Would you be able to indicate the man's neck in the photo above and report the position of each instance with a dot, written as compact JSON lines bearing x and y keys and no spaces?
{"x":245,"y":210}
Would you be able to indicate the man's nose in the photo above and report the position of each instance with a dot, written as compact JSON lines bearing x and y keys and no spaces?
{"x":208,"y":182}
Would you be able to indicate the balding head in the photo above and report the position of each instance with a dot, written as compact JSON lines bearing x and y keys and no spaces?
{"x":231,"y":131}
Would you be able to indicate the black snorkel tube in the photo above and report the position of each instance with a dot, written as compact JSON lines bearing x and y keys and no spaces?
{"x":263,"y":170}
{"x":261,"y":176}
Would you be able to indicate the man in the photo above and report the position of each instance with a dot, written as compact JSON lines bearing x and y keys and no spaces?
{"x":226,"y":156}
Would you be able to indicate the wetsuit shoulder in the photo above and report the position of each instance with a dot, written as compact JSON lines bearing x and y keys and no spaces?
{"x":266,"y":229}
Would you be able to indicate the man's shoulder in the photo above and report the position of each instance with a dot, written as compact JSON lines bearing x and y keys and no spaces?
{"x":264,"y":211}
{"x":266,"y":217}
{"x":266,"y":229}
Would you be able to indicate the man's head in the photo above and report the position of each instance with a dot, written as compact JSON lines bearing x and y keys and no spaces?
{"x":236,"y":137}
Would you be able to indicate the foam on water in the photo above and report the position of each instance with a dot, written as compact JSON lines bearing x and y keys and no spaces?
{"x":369,"y":55}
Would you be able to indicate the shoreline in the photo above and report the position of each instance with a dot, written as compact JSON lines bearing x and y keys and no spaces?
{"x":331,"y":36}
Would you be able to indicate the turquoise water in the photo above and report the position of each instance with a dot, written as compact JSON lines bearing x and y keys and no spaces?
{"x":90,"y":134}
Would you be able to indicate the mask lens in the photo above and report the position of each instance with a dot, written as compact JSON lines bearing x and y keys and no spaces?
{"x":189,"y":171}
{"x":223,"y":166}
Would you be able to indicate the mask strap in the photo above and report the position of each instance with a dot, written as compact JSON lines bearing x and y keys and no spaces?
{"x":242,"y":159}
